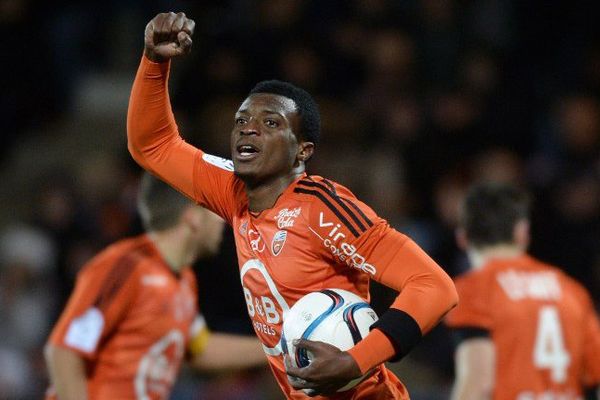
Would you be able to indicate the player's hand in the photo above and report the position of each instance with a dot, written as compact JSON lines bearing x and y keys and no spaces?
{"x":168,"y":35}
{"x":329,"y":369}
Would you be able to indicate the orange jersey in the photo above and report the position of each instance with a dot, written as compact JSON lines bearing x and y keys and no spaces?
{"x":130,"y":317}
{"x":542,"y":323}
{"x":317,"y":235}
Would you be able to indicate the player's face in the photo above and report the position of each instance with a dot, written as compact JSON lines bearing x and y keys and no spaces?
{"x":263,"y":143}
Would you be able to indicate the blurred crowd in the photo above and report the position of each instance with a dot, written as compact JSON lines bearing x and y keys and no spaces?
{"x":418,"y":100}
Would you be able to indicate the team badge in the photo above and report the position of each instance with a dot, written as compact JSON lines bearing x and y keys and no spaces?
{"x":278,"y":242}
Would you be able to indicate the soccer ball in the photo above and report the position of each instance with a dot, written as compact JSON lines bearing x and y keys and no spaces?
{"x":333,"y":316}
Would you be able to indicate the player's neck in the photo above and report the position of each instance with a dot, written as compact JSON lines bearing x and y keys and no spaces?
{"x":173,"y":247}
{"x":264,"y":195}
{"x":478,"y":257}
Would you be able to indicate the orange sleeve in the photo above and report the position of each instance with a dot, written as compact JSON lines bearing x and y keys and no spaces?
{"x":591,"y":355}
{"x":103,"y":293}
{"x":154,"y":142}
{"x":363,"y":241}
{"x":426,"y":293}
{"x":474,"y":308}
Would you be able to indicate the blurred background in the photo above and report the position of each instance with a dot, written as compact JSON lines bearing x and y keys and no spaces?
{"x":418,"y":100}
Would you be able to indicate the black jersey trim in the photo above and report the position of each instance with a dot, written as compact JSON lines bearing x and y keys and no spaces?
{"x":402,"y":330}
{"x":352,"y":204}
{"x":590,"y":391}
{"x":329,"y":205}
{"x":357,"y":208}
{"x":332,"y":194}
{"x":330,"y":186}
{"x":468,"y":332}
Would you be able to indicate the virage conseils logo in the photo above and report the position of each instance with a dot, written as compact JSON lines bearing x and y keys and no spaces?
{"x":335,"y":241}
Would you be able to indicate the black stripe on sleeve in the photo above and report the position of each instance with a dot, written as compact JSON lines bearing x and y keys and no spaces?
{"x":352,"y":204}
{"x":468,"y":332}
{"x":362,"y":214}
{"x":330,"y":206}
{"x":337,"y":199}
{"x":330,"y":186}
{"x":120,"y":272}
{"x":401,"y":329}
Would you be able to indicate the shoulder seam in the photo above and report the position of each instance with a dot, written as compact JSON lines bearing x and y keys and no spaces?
{"x":120,"y":271}
{"x":332,"y":194}
{"x":329,"y":205}
{"x":358,"y":210}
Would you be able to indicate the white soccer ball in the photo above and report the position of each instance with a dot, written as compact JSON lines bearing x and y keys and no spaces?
{"x":333,"y":316}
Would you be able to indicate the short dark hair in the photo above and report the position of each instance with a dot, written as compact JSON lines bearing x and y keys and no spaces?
{"x":307,"y":106}
{"x":491,"y":211}
{"x":159,"y":205}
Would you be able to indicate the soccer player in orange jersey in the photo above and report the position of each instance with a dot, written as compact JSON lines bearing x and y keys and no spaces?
{"x":294,"y":233}
{"x":133,"y":317}
{"x":527,"y":331}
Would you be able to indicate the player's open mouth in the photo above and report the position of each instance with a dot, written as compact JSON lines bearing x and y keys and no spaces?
{"x":247,"y":151}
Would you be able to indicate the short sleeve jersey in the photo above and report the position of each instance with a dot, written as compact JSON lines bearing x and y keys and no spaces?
{"x":130,"y":317}
{"x":316,"y":236}
{"x":542,"y":323}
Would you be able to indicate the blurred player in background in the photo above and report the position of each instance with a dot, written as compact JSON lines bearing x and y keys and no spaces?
{"x":294,"y":233}
{"x":526,"y":330}
{"x":132,"y":317}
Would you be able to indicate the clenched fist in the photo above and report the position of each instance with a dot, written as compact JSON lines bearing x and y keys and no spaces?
{"x":168,"y":35}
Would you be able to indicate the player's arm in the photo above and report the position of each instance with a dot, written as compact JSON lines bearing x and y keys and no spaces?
{"x":592,"y":348}
{"x":426,"y":294}
{"x":426,"y":291}
{"x":225,"y":351}
{"x":471,"y":323}
{"x":216,"y":351}
{"x":67,"y":372}
{"x":152,"y":134}
{"x":153,"y":137}
{"x":102,"y":295}
{"x":474,"y":369}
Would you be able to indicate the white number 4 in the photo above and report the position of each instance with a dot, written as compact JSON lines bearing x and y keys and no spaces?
{"x":549,"y":351}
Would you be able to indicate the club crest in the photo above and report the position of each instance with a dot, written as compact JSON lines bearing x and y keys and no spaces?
{"x":278,"y":242}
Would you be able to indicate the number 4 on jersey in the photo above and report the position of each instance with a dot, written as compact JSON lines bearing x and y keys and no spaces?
{"x":549,"y":351}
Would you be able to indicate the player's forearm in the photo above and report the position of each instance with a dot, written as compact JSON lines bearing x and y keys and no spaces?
{"x":469,"y":390}
{"x":373,"y":350}
{"x":470,"y":384}
{"x":67,"y":373}
{"x":150,"y":120}
{"x":426,"y":294}
{"x":474,"y":369}
{"x":226,"y":351}
{"x":152,"y":135}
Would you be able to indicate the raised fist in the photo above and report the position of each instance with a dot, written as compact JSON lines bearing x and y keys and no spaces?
{"x":168,"y":35}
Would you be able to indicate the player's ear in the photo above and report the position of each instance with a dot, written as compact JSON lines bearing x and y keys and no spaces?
{"x":521,"y":233}
{"x":305,"y":151}
{"x":460,"y":235}
{"x":193,"y":217}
